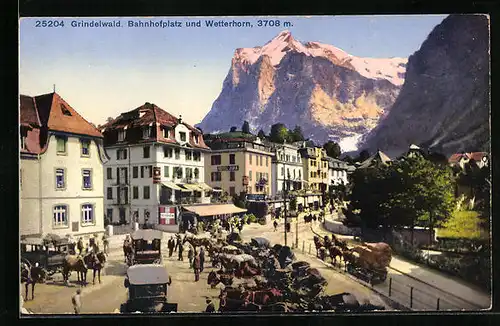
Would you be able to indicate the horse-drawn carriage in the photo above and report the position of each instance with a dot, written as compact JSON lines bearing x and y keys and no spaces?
{"x":48,"y":254}
{"x":147,"y":290}
{"x":145,"y":247}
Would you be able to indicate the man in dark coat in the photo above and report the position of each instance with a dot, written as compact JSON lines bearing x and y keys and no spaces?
{"x":196,"y":267}
{"x":202,"y":258}
{"x":171,"y":245}
{"x":190,"y":256}
{"x":181,"y":249}
{"x":79,"y":245}
{"x":275,"y":224}
{"x":177,"y":242}
{"x":210,"y":306}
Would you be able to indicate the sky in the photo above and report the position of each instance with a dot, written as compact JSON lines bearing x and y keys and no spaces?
{"x":104,"y":71}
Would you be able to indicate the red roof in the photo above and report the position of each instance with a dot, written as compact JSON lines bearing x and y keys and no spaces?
{"x":28,"y":113}
{"x":155,"y":116}
{"x":58,"y":115}
{"x":476,"y":156}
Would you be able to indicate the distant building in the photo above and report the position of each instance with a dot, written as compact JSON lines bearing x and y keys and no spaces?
{"x":239,"y":163}
{"x":337,"y":172}
{"x":61,"y":170}
{"x":286,"y":168}
{"x":315,"y":165}
{"x":376,"y":160}
{"x":156,"y":163}
{"x":481,"y":159}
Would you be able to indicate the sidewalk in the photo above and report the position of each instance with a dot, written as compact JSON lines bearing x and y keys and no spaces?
{"x":446,"y":283}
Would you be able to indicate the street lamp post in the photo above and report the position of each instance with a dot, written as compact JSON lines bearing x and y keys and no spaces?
{"x":285,"y":195}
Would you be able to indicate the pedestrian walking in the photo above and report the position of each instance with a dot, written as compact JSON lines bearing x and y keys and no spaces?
{"x":77,"y":301}
{"x":190,"y":256}
{"x":105,"y":243}
{"x":181,"y":249}
{"x":210,"y":306}
{"x":196,"y":267}
{"x":177,"y":242}
{"x":202,"y":258}
{"x":171,"y":245}
{"x":275,"y":224}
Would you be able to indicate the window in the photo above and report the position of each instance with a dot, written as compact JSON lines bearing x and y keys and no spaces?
{"x":85,"y":146}
{"x":232,"y":191}
{"x":177,"y":154}
{"x":196,"y":173}
{"x":87,"y":214}
{"x":189,"y":155}
{"x":60,"y":214}
{"x":145,"y":151}
{"x":87,"y":179}
{"x":287,"y":158}
{"x":167,"y":151}
{"x":267,"y":161}
{"x":232,"y":159}
{"x":61,"y":144}
{"x":150,"y":168}
{"x":121,"y":154}
{"x":135,"y":192}
{"x":216,"y":176}
{"x":260,"y":160}
{"x":65,"y":110}
{"x":282,"y":171}
{"x":196,"y":156}
{"x":250,"y":175}
{"x":300,"y":174}
{"x":121,"y":135}
{"x":182,"y":135}
{"x":109,"y":173}
{"x":312,"y":174}
{"x":189,"y":173}
{"x":109,"y":214}
{"x":135,"y":172}
{"x":165,"y":132}
{"x":145,"y":192}
{"x":166,"y":171}
{"x":177,"y":172}
{"x":250,"y":159}
{"x":232,"y":176}
{"x":196,"y":139}
{"x":287,"y":172}
{"x":215,"y":159}
{"x":60,"y":179}
{"x":109,"y":193}
{"x":146,"y":132}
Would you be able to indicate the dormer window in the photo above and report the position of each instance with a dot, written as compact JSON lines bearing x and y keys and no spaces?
{"x":165,"y":132}
{"x":65,"y":110}
{"x":121,"y":135}
{"x":146,"y":132}
{"x":22,"y":141}
{"x":196,"y":139}
{"x":182,"y":136}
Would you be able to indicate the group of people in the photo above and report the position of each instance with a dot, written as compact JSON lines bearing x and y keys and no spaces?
{"x":92,"y":245}
{"x":196,"y":258}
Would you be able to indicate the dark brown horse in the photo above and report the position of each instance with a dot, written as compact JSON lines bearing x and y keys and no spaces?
{"x":31,"y":275}
{"x":96,"y":263}
{"x":318,"y":243}
{"x":335,"y":252}
{"x":77,"y":264}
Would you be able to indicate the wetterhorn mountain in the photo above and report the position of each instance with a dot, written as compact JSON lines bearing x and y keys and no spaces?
{"x":329,"y":93}
{"x":444,"y":102}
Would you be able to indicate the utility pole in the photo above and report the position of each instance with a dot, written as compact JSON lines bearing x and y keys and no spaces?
{"x":285,"y":195}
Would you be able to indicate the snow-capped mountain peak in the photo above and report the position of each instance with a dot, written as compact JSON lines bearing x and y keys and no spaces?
{"x":391,"y":69}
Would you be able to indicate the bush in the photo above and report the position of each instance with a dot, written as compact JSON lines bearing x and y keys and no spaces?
{"x":462,"y":224}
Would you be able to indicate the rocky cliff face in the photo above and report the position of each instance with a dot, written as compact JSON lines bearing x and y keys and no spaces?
{"x":329,"y":93}
{"x":444,"y":102}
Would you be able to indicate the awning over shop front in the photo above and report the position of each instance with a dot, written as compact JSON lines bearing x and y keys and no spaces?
{"x":217,"y":209}
{"x":171,"y":185}
{"x":183,"y":188}
{"x":204,"y":186}
{"x":193,"y":187}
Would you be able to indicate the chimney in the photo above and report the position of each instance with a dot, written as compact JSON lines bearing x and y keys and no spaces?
{"x":179,"y":120}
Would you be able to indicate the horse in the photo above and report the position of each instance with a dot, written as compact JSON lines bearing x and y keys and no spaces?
{"x":31,"y":275}
{"x":95,"y":261}
{"x":77,"y":264}
{"x":318,"y":243}
{"x":335,"y":252}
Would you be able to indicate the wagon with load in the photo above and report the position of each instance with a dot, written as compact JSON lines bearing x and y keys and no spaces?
{"x":146,"y":247}
{"x":370,"y":261}
{"x":147,"y":286}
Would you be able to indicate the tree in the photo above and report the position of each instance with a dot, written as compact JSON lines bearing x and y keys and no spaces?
{"x":246,"y":127}
{"x":279,"y":133}
{"x":332,"y":149}
{"x":363,"y":156}
{"x":310,"y":143}
{"x":109,"y":119}
{"x":261,"y":134}
{"x":348,"y":159}
{"x":233,"y":129}
{"x":296,"y":134}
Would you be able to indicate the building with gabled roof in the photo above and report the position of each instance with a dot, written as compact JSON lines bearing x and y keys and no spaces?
{"x":156,"y":163}
{"x":377,"y":159}
{"x":61,"y":169}
{"x":460,"y":159}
